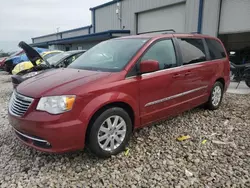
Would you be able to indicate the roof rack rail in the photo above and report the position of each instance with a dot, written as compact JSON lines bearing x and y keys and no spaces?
{"x":169,"y":30}
{"x":166,"y":31}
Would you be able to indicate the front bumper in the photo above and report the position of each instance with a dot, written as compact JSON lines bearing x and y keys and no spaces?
{"x":49,"y":133}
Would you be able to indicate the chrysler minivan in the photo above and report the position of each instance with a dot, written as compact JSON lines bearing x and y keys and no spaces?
{"x":116,"y":87}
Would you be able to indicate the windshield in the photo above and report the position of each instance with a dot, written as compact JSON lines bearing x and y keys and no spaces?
{"x":57,"y":58}
{"x":112,"y":55}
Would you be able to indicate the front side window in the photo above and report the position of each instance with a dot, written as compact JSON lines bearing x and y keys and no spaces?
{"x":215,"y":49}
{"x":163,"y":52}
{"x":109,"y":56}
{"x":193,"y":50}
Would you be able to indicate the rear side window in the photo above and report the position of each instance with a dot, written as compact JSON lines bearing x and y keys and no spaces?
{"x":193,"y":50}
{"x":215,"y":49}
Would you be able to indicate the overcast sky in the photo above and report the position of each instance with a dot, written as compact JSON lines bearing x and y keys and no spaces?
{"x":24,"y":19}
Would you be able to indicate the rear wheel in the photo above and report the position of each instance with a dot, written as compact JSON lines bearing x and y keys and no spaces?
{"x":216,"y":96}
{"x":110,"y":132}
{"x":248,"y":83}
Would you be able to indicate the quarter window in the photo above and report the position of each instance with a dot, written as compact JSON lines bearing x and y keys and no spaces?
{"x":192,"y":50}
{"x":163,"y":52}
{"x":215,"y":49}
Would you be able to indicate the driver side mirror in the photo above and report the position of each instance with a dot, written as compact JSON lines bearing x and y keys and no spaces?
{"x":149,"y":66}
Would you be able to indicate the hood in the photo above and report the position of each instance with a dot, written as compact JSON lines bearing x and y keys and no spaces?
{"x":58,"y":82}
{"x":32,"y":54}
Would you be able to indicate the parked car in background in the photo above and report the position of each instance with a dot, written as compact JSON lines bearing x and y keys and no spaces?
{"x":28,"y":65}
{"x":11,"y":62}
{"x":117,"y":86}
{"x":60,"y":60}
{"x":2,"y":60}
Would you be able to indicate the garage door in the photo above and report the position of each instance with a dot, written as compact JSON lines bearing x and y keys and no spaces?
{"x":172,"y":17}
{"x":235,"y":16}
{"x":236,"y":41}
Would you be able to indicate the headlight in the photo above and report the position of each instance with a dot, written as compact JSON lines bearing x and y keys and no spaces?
{"x":29,"y":75}
{"x":56,"y":104}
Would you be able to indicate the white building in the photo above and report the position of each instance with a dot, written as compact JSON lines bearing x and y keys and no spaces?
{"x":227,"y":19}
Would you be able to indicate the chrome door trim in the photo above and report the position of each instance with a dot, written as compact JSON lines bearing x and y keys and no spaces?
{"x":174,"y":96}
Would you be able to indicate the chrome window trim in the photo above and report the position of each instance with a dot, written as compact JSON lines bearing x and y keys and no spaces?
{"x":146,"y":74}
{"x":30,"y":137}
{"x":174,"y":96}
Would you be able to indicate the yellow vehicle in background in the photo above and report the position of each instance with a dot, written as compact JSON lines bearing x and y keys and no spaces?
{"x":27,"y":64}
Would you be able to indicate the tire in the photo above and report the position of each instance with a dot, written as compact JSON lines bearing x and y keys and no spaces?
{"x":216,"y":96}
{"x":7,"y":68}
{"x":247,"y":83}
{"x":100,"y":134}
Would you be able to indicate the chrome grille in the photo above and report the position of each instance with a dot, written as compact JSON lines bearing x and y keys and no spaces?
{"x":19,"y":104}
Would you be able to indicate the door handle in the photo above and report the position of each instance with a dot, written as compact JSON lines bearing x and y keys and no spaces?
{"x":176,"y":75}
{"x":188,"y":73}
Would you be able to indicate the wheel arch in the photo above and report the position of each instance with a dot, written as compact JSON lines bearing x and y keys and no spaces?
{"x":120,"y":104}
{"x":102,"y":102}
{"x":221,"y":80}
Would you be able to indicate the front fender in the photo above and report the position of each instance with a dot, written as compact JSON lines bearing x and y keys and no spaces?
{"x":108,"y":98}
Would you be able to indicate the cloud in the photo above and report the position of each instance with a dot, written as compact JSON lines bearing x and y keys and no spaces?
{"x":22,"y":20}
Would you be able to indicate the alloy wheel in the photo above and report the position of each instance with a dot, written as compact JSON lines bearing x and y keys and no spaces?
{"x":216,"y":96}
{"x":112,"y":133}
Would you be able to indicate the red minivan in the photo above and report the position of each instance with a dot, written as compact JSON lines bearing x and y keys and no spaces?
{"x":117,"y":86}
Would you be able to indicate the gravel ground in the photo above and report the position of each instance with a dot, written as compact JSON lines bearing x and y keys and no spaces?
{"x":155,"y":158}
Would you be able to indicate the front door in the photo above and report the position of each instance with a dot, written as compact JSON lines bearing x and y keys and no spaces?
{"x":159,"y":90}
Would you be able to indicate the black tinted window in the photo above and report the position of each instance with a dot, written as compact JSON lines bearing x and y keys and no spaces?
{"x":215,"y":49}
{"x":193,"y":50}
{"x":163,"y":52}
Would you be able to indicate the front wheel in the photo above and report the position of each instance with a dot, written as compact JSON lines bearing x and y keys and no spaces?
{"x":216,"y":95}
{"x":110,"y":132}
{"x":248,"y":83}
